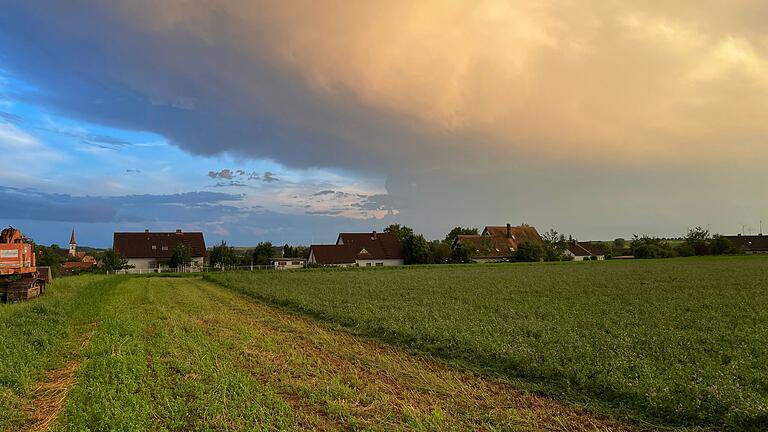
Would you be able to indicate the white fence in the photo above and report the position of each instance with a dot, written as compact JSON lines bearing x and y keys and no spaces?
{"x":194,"y":269}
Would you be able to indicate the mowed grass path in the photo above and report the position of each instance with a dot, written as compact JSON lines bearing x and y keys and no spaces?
{"x":675,"y":342}
{"x":181,"y":354}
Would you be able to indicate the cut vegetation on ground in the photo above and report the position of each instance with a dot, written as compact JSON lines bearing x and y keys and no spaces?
{"x":675,"y":342}
{"x":179,"y":354}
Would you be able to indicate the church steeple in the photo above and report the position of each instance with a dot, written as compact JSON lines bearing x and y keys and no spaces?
{"x":72,"y":244}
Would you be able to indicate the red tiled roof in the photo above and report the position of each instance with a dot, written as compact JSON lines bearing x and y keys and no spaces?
{"x":495,"y":243}
{"x":378,"y":245}
{"x":333,"y":254}
{"x":520,"y":234}
{"x":140,"y":244}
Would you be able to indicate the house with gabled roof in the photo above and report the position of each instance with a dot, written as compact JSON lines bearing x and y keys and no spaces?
{"x":498,"y":243}
{"x":153,"y":250}
{"x":359,"y":250}
{"x":581,"y":251}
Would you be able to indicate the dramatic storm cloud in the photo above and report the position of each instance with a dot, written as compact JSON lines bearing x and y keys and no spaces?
{"x":599,"y":118}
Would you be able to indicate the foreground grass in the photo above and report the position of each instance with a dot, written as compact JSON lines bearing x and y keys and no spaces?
{"x":681,"y":342}
{"x":43,"y":334}
{"x":179,"y":354}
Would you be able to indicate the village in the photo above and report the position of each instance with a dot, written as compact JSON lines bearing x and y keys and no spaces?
{"x":154,"y":252}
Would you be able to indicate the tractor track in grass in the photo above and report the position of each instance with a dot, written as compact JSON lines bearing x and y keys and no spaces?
{"x":50,"y":394}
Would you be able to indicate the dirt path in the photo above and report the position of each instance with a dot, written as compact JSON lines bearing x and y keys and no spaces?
{"x":337,"y":381}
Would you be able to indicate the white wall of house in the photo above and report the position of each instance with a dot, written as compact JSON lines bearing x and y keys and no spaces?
{"x":151,"y":263}
{"x":287,"y":264}
{"x":584,"y":257}
{"x":380,"y":263}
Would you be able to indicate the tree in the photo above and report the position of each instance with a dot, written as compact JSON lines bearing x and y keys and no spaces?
{"x":529,"y":252}
{"x":47,"y":257}
{"x":110,"y":260}
{"x":416,"y":249}
{"x":721,"y":245}
{"x":401,"y":231}
{"x":619,"y":243}
{"x":553,"y":248}
{"x":222,"y":256}
{"x":462,"y":253}
{"x":440,"y":252}
{"x":650,"y":247}
{"x":698,"y":239}
{"x":457,"y":231}
{"x":182,"y":256}
{"x":262,"y":253}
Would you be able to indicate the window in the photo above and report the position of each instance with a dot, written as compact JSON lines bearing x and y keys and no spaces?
{"x":379,"y":264}
{"x":296,"y":262}
{"x":367,"y":264}
{"x":154,"y":247}
{"x":165,"y":247}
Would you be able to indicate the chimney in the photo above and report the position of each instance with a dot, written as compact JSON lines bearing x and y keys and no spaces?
{"x":373,"y":235}
{"x":178,"y":231}
{"x":146,"y":231}
{"x":509,"y":231}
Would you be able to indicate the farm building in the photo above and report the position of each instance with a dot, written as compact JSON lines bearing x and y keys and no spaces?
{"x":750,"y":244}
{"x":498,"y":243}
{"x":359,"y":250}
{"x":581,"y":251}
{"x":287,"y":263}
{"x":153,"y":250}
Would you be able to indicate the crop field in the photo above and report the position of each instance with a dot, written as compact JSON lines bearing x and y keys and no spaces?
{"x":122,"y":353}
{"x":679,"y":342}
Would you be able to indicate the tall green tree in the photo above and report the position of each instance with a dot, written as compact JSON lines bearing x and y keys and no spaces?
{"x":457,"y":231}
{"x":222,"y":256}
{"x":416,"y":249}
{"x":182,"y":256}
{"x":401,"y":231}
{"x":262,"y":253}
{"x":110,"y":260}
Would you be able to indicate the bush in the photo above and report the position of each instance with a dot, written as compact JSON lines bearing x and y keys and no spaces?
{"x":530,"y":252}
{"x":650,"y":247}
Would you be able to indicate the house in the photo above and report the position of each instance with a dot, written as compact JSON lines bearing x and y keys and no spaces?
{"x":750,"y":244}
{"x":359,"y":250}
{"x":498,"y":243}
{"x":153,"y":250}
{"x":287,"y":263}
{"x":581,"y":251}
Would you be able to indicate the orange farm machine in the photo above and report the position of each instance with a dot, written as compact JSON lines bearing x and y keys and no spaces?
{"x":19,"y":279}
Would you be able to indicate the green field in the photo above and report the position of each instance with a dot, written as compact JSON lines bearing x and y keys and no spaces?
{"x":674,"y":342}
{"x":100,"y":353}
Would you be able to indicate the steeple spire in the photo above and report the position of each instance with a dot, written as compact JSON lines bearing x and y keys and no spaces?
{"x":72,"y":244}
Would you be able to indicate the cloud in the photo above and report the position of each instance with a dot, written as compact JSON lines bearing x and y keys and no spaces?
{"x":31,"y":204}
{"x":269,"y":177}
{"x":225,"y":174}
{"x":511,"y":110}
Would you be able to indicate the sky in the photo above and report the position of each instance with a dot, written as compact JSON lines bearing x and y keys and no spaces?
{"x":292,"y":121}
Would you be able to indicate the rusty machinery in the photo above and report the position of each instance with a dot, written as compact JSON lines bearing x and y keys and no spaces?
{"x":19,"y":279}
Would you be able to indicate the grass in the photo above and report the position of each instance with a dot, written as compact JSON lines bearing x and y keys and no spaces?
{"x":178,"y":354}
{"x":673,"y":342}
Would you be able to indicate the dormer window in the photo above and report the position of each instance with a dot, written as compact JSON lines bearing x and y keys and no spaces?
{"x":363,"y":251}
{"x":165,"y":248}
{"x":154,"y":247}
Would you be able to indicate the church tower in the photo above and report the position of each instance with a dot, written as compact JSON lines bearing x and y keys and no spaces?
{"x":72,"y":244}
